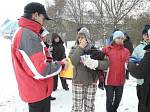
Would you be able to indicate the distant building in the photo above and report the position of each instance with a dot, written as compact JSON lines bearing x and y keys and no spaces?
{"x":8,"y":28}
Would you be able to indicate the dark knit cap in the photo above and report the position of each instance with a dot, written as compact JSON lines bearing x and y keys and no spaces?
{"x":35,"y":7}
{"x":145,"y":29}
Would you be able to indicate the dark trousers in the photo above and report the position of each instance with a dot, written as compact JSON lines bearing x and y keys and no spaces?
{"x":40,"y":106}
{"x":113,"y":97}
{"x":127,"y":74}
{"x":63,"y":82}
{"x":139,"y":93}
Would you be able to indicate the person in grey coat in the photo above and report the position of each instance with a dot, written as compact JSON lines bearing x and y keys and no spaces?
{"x":85,"y":72}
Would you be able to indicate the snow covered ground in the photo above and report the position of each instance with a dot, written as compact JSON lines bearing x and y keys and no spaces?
{"x":11,"y":102}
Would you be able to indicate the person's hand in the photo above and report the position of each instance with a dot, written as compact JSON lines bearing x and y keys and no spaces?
{"x":82,"y":43}
{"x":66,"y":63}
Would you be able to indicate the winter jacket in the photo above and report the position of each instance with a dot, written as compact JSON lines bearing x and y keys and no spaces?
{"x":33,"y":72}
{"x":82,"y":74}
{"x":128,"y":44}
{"x":139,"y":50}
{"x":143,"y":71}
{"x":117,"y":56}
{"x":58,"y":52}
{"x":139,"y":53}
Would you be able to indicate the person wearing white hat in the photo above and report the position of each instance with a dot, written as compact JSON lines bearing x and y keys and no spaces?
{"x":85,"y":74}
{"x":115,"y":78}
{"x":118,"y":34}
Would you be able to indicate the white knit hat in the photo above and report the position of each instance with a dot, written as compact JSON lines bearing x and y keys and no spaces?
{"x":117,"y":34}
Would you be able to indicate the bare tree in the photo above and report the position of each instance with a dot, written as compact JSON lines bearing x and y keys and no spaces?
{"x":99,"y":15}
{"x":56,"y":12}
{"x":99,"y":7}
{"x":117,"y":9}
{"x":75,"y":10}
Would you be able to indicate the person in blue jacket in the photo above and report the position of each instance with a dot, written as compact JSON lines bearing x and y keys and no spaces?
{"x":138,"y":54}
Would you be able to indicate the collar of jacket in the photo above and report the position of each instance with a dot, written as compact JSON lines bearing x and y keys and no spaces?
{"x":144,"y":42}
{"x":30,"y":24}
{"x":116,"y":46}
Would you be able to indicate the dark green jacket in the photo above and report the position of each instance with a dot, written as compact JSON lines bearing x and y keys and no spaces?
{"x":82,"y":74}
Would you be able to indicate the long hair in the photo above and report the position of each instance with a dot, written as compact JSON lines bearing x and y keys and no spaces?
{"x":54,"y":36}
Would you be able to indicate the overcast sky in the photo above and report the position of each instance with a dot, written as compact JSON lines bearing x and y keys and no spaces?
{"x":13,"y":9}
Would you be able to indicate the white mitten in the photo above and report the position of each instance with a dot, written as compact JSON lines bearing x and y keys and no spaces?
{"x":90,"y":63}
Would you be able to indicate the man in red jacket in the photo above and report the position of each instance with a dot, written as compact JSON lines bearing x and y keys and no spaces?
{"x":33,"y":72}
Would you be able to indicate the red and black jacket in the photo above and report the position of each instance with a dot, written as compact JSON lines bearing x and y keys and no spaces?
{"x":33,"y":72}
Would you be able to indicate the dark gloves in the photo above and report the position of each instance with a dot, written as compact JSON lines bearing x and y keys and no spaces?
{"x":97,"y":55}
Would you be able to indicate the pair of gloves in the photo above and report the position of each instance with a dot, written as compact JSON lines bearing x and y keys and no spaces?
{"x":88,"y":62}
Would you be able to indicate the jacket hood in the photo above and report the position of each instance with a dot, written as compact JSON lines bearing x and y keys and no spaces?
{"x":54,"y":36}
{"x":30,"y":24}
{"x":86,"y":32}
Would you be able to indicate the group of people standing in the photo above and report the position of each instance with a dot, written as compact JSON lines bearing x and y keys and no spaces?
{"x":37,"y":69}
{"x":84,"y":83}
{"x":119,"y":53}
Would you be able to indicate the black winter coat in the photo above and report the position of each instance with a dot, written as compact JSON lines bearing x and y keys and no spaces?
{"x":128,"y":44}
{"x":143,"y":71}
{"x":58,"y":52}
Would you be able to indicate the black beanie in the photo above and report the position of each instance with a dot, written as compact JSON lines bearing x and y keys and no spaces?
{"x":35,"y":7}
